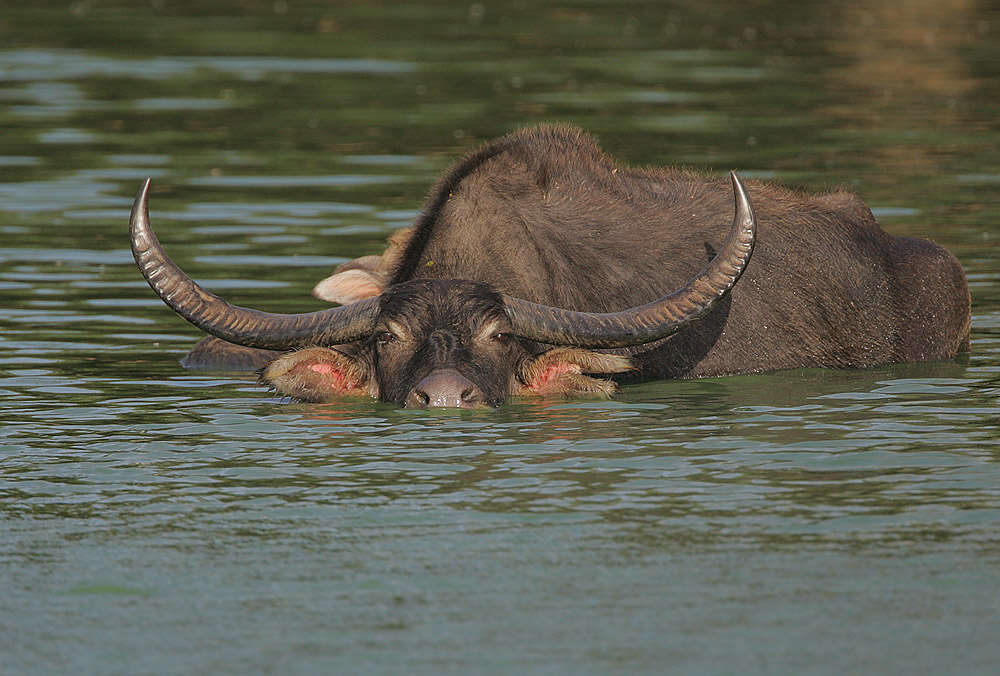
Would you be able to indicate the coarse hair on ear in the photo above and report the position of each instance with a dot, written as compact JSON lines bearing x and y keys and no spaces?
{"x":349,"y":286}
{"x":560,"y":372}
{"x":364,"y":277}
{"x":319,"y":374}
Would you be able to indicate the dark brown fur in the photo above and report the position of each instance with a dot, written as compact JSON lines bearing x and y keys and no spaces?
{"x":545,"y":215}
{"x":434,"y":326}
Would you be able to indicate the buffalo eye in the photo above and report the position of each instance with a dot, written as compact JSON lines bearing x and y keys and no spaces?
{"x":500,"y":337}
{"x":385,"y":337}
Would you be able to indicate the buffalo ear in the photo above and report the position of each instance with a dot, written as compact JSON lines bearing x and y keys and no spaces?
{"x":319,"y":374}
{"x":350,"y":286}
{"x":364,"y":277}
{"x":560,"y":371}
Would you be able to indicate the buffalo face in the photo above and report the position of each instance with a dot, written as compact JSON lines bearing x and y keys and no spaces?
{"x":440,"y":343}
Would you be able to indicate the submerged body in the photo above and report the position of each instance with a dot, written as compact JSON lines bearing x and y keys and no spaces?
{"x":544,"y":216}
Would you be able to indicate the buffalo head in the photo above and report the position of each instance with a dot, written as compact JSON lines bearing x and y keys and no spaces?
{"x":442,"y":342}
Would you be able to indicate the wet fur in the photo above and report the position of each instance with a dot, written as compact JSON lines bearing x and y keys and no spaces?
{"x":559,"y":372}
{"x":319,"y":374}
{"x":436,"y":325}
{"x":545,"y":215}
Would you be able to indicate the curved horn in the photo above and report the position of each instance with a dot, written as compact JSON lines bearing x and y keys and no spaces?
{"x":645,"y":323}
{"x":235,"y":324}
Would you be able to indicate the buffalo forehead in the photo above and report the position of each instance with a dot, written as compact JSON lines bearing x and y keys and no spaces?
{"x":427,"y":305}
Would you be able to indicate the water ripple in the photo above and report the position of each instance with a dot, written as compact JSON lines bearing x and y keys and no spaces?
{"x":29,"y":65}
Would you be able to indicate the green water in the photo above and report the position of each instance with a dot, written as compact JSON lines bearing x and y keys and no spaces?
{"x":158,"y":521}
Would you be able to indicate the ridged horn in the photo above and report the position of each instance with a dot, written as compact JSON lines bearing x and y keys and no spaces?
{"x":653,"y":321}
{"x":235,"y":324}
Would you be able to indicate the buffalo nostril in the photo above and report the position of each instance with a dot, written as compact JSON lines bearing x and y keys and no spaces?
{"x":417,"y":399}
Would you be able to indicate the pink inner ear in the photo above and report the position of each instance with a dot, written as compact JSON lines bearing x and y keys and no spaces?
{"x":551,"y":374}
{"x":325,"y":369}
{"x":334,"y":377}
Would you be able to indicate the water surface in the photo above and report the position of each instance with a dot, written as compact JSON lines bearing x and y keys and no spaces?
{"x":161,"y":521}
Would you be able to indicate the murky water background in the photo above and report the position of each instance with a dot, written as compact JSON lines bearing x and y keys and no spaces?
{"x":157,"y":521}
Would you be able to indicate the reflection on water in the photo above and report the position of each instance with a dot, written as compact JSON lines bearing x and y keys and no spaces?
{"x":757,"y":524}
{"x":39,"y":67}
{"x":791,"y":454}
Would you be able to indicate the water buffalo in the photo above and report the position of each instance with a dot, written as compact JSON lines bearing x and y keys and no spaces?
{"x":539,"y":262}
